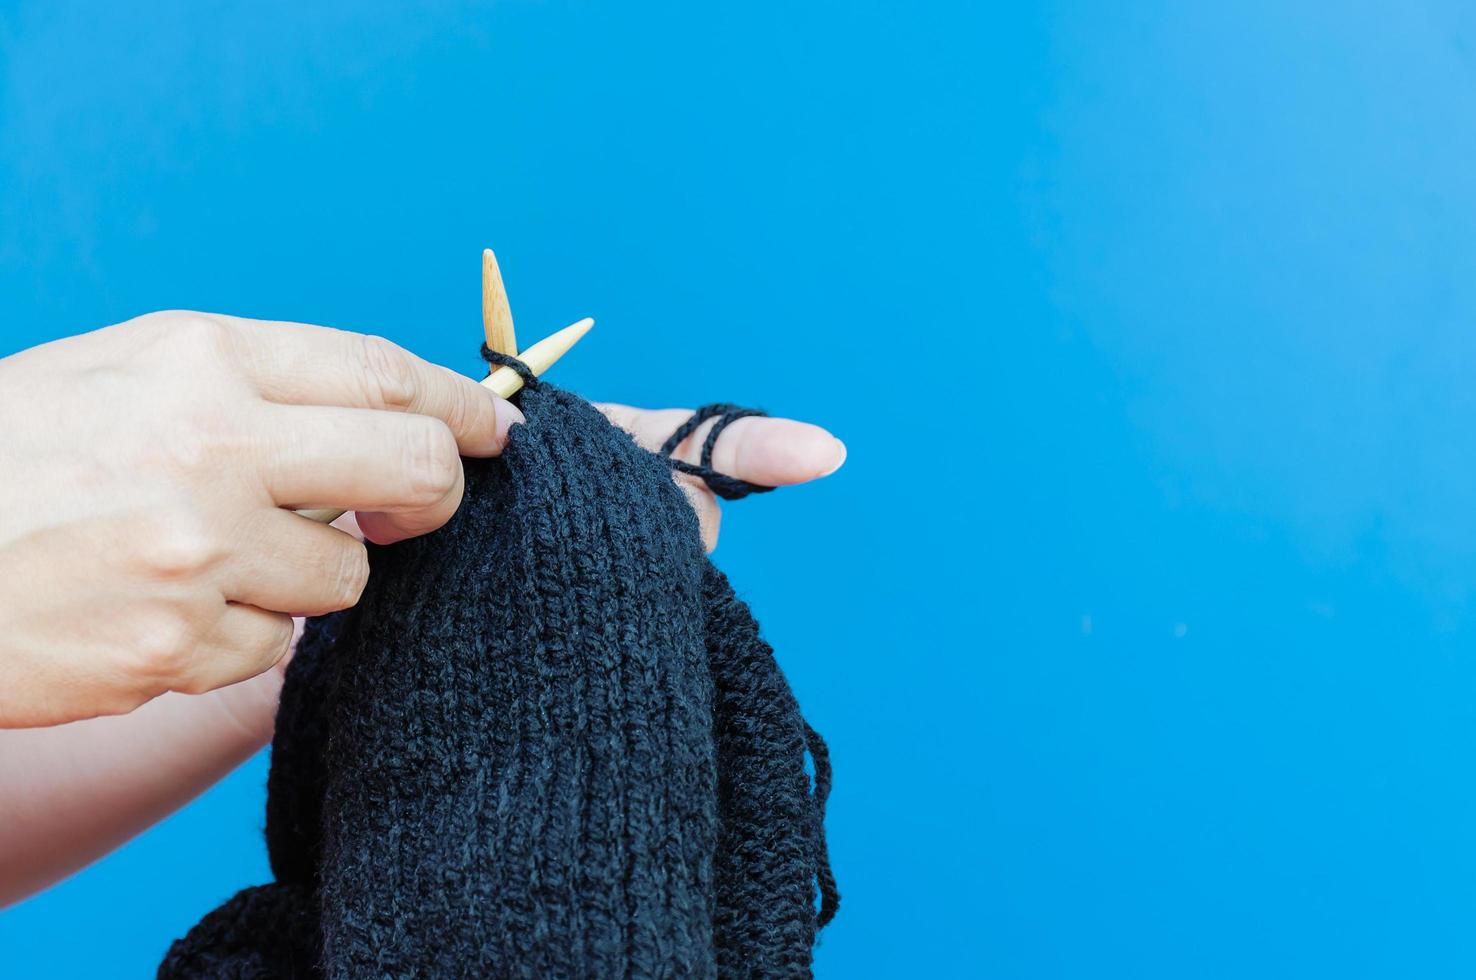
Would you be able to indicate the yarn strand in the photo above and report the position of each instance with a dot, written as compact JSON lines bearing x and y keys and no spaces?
{"x":725,"y":486}
{"x":824,"y":876}
{"x":530,"y":380}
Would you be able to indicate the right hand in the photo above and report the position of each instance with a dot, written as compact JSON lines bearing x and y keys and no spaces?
{"x":150,"y":469}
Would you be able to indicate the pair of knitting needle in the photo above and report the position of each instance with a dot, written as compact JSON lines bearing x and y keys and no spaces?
{"x":497,"y":324}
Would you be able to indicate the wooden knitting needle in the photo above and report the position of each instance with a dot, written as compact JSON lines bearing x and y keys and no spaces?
{"x":497,"y":321}
{"x":539,"y":358}
{"x":497,"y":325}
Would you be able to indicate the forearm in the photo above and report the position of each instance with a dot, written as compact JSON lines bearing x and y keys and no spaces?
{"x":71,"y":793}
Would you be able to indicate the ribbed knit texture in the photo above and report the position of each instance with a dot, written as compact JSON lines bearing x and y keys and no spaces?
{"x":548,"y":742}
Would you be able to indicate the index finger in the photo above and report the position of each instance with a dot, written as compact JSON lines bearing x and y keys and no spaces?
{"x":303,"y":364}
{"x":772,"y":452}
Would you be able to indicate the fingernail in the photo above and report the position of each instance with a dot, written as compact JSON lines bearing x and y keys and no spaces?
{"x":508,"y":416}
{"x":840,"y":458}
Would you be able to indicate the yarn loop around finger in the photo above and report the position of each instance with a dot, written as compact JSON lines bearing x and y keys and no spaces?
{"x":725,"y":486}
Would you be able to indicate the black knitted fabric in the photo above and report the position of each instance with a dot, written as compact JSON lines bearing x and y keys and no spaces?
{"x":548,"y":742}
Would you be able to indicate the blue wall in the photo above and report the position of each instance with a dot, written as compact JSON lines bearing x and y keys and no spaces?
{"x":1139,"y":619}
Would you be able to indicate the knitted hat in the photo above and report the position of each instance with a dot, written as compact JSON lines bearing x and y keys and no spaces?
{"x":547,"y":742}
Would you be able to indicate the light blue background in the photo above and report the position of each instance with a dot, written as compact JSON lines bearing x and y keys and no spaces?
{"x":1139,"y":619}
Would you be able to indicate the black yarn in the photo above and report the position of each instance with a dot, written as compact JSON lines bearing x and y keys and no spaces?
{"x":530,"y":380}
{"x":825,"y":877}
{"x":548,"y":742}
{"x":727,"y":487}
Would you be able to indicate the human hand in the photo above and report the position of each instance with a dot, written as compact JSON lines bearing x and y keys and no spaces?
{"x":146,"y":538}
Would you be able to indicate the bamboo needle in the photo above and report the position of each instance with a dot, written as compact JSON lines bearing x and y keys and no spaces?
{"x":505,"y":381}
{"x":497,"y":321}
{"x":539,"y":358}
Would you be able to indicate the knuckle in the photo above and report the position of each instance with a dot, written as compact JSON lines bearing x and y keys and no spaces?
{"x":202,"y":337}
{"x":158,"y":653}
{"x":202,"y":329}
{"x":286,"y":634}
{"x":193,"y":684}
{"x":433,"y":462}
{"x":389,"y":381}
{"x":351,"y":576}
{"x":273,"y":639}
{"x":197,"y":441}
{"x":178,"y":547}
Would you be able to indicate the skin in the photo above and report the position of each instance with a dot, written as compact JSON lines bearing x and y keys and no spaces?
{"x":151,"y":570}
